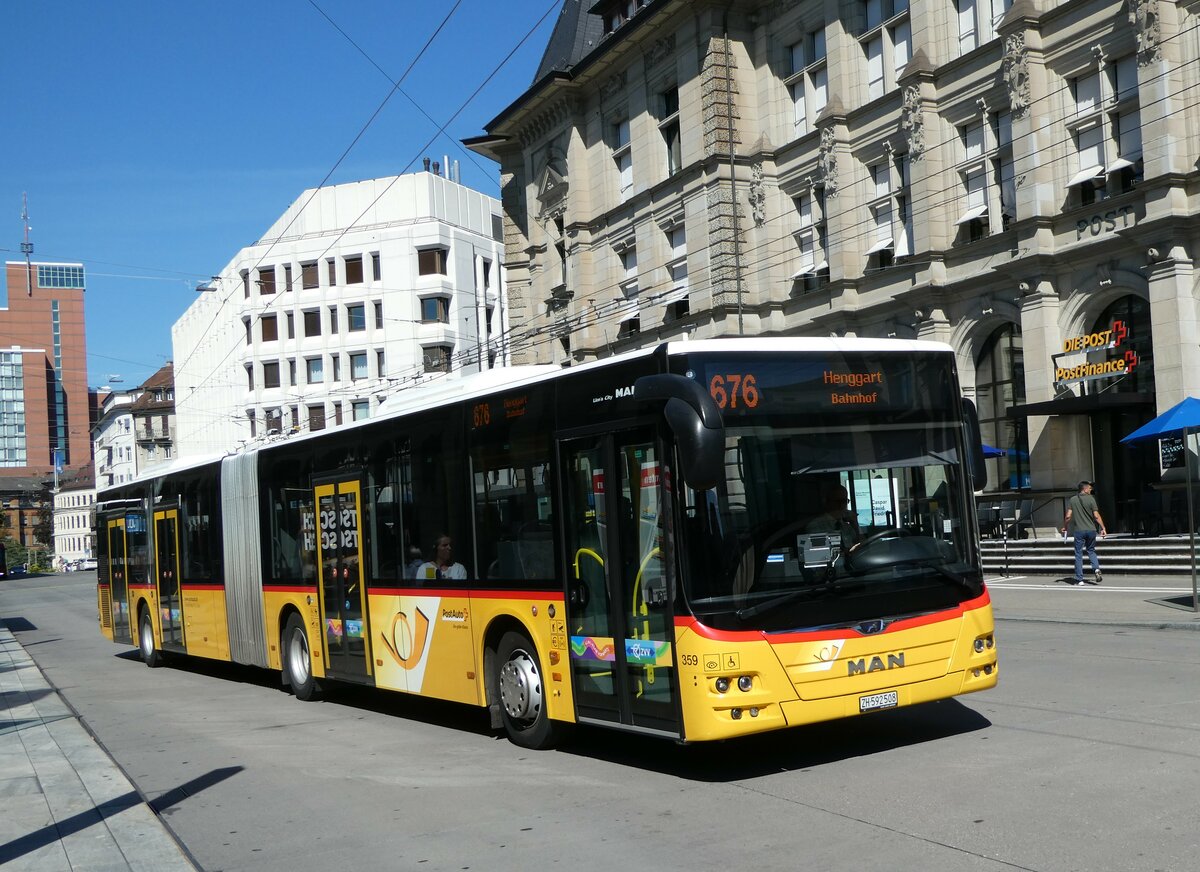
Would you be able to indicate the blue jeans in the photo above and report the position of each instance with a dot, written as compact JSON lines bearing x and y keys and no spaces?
{"x":1085,"y":539}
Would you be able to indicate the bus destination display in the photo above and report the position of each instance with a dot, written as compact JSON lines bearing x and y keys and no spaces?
{"x":829,"y":383}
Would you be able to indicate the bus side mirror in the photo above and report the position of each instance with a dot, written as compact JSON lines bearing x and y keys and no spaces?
{"x":974,"y":435}
{"x":695,"y":421}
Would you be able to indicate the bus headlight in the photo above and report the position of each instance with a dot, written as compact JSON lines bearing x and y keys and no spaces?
{"x":722,"y":685}
{"x":745,"y":683}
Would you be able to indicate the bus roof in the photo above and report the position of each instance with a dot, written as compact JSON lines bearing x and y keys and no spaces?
{"x":442,"y":391}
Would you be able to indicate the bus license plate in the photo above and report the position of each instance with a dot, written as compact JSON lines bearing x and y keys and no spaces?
{"x":878,"y":701}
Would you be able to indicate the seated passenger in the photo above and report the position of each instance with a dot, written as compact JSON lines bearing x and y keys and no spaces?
{"x":442,"y":565}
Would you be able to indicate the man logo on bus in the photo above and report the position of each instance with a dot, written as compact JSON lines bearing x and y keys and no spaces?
{"x":876,"y":664}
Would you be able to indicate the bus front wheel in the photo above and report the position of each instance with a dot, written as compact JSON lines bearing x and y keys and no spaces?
{"x":297,"y":662}
{"x":151,"y":656}
{"x":523,"y":693}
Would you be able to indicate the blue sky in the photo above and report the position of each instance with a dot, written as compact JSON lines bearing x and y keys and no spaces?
{"x":155,"y":139}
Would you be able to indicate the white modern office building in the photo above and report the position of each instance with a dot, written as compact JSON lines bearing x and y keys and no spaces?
{"x":357,"y":291}
{"x":114,"y":444}
{"x":74,"y":522}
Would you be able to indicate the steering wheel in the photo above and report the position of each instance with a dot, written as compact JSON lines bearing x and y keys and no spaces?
{"x":859,"y":547}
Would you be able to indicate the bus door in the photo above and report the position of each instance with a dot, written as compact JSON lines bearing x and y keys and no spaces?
{"x":118,"y":578}
{"x":619,"y":602}
{"x":166,"y":567}
{"x":340,"y":568}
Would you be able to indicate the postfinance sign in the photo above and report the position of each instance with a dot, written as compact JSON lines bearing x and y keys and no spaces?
{"x":1112,"y":339}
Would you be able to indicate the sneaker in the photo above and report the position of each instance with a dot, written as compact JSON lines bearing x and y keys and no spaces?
{"x":1099,"y":576}
{"x":1078,"y":582}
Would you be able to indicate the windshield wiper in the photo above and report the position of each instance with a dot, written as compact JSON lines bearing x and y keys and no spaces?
{"x":826,"y":588}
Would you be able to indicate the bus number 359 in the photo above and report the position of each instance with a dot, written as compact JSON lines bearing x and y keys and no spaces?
{"x":728,"y":390}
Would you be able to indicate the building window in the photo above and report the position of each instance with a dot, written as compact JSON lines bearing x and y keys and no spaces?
{"x":333,"y":320}
{"x":668,"y":126}
{"x":890,"y":213}
{"x":249,"y":331}
{"x":622,"y":155}
{"x":977,"y":20}
{"x":292,"y":371}
{"x":887,"y":44}
{"x":246,"y":283}
{"x":435,"y":309}
{"x":250,"y":376}
{"x":273,"y":420}
{"x":1106,"y":131}
{"x":354,"y":270}
{"x":291,"y":325}
{"x":1000,"y":385}
{"x":65,"y":277}
{"x":316,"y":417}
{"x":360,"y":410}
{"x":676,"y":299}
{"x":250,"y":418}
{"x":436,"y":358}
{"x":813,"y":267}
{"x":331,"y":267}
{"x":973,"y":221}
{"x":308,"y":275}
{"x":628,"y":310}
{"x":269,"y":326}
{"x":266,"y":280}
{"x":379,"y":368}
{"x":336,"y":362}
{"x":376,"y":269}
{"x":315,"y":370}
{"x":312,"y":322}
{"x":431,"y":261}
{"x":287,"y":278}
{"x":807,"y":80}
{"x":356,"y":317}
{"x":378,"y":304}
{"x":358,"y":365}
{"x":271,"y":374}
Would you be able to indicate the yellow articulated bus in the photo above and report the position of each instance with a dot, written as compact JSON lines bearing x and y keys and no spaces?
{"x":700,"y":541}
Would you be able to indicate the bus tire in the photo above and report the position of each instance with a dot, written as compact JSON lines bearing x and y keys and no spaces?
{"x":151,"y":656}
{"x":297,"y":660}
{"x":522,"y":693}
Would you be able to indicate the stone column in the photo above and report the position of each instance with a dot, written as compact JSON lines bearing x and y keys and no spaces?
{"x":1173,"y":325}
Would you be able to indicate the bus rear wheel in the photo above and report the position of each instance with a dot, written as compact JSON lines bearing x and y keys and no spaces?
{"x":522,"y":693}
{"x":297,"y":661}
{"x":151,"y":656}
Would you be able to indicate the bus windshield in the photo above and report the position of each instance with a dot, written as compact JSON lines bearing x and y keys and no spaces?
{"x":834,"y":509}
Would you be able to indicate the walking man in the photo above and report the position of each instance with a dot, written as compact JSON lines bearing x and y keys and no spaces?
{"x":1084,"y":521}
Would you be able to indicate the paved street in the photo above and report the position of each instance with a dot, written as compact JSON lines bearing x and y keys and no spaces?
{"x":1084,"y":758}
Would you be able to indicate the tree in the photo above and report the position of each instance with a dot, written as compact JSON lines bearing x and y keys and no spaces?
{"x":43,"y":527}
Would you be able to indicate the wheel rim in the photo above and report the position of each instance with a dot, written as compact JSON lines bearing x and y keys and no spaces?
{"x":298,"y":658}
{"x":147,"y":638}
{"x":521,"y":687}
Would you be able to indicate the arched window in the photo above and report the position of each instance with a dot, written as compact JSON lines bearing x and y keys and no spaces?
{"x":1129,"y":319}
{"x":1000,"y":385}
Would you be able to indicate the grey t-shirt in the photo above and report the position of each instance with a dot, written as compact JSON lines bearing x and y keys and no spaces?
{"x":1083,"y":508}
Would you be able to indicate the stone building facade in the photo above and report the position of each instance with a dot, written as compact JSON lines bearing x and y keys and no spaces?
{"x":1018,"y":180}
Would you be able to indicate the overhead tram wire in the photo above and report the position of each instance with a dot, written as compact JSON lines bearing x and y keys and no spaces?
{"x":954,"y":140}
{"x":403,"y":93}
{"x":955,"y":190}
{"x":338,"y":163}
{"x":441,"y":130}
